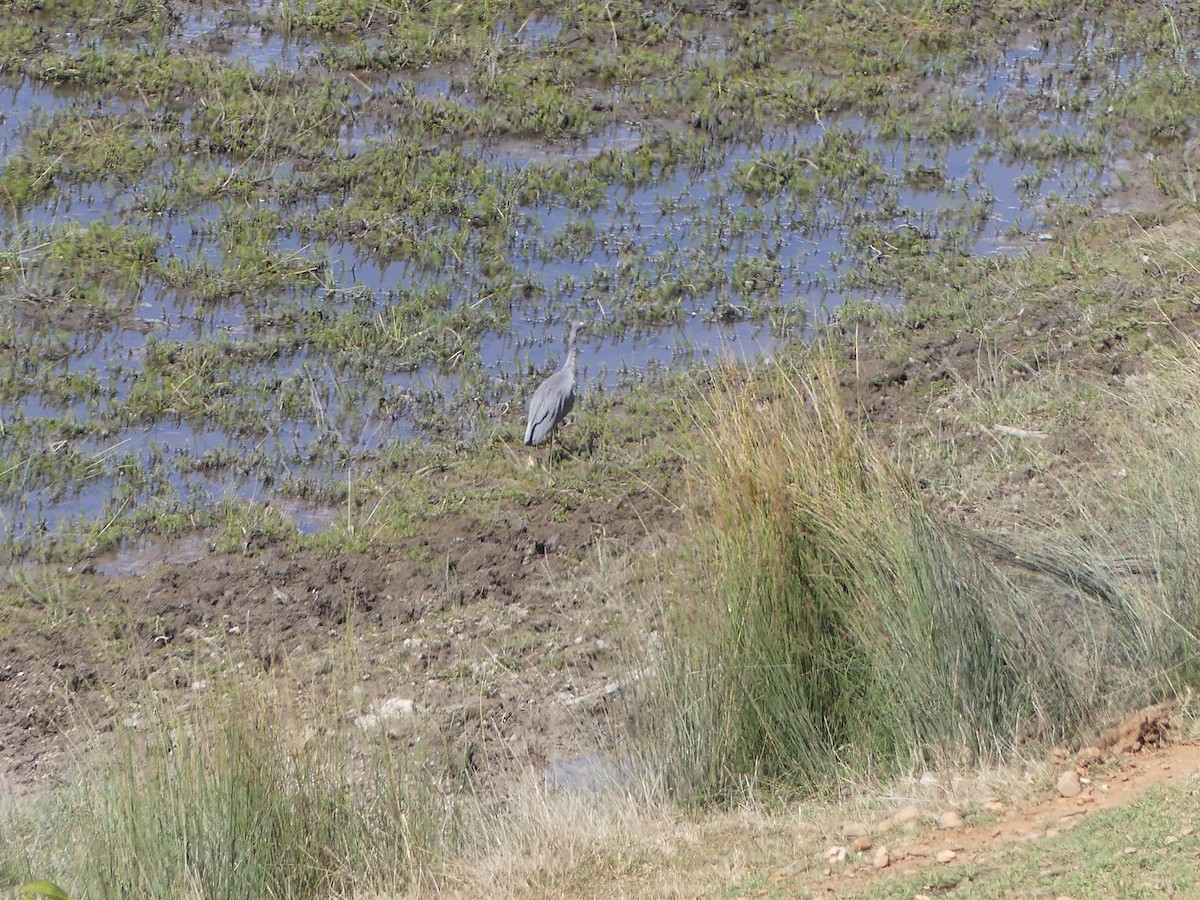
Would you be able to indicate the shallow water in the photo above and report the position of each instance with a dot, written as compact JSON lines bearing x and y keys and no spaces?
{"x":986,"y":198}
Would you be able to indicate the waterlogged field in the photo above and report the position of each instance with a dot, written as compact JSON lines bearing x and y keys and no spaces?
{"x":250,"y":250}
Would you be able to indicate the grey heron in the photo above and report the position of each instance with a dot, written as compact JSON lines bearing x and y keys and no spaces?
{"x":554,"y":397}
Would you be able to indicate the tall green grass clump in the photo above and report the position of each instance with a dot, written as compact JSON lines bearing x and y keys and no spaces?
{"x":842,"y":628}
{"x":229,"y":799}
{"x":238,"y":808}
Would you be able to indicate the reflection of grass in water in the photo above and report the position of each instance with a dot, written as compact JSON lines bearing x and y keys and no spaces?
{"x":74,"y":147}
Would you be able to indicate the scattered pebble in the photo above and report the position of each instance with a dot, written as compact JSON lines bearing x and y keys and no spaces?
{"x":906,"y":816}
{"x":1068,"y":784}
{"x":950,"y":819}
{"x":855,"y":829}
{"x":883,"y":858}
{"x":945,"y":856}
{"x":835,"y":854}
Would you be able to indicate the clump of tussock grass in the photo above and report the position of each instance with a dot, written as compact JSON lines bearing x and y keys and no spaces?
{"x":1147,"y":496}
{"x":844,"y":628}
{"x":238,"y":798}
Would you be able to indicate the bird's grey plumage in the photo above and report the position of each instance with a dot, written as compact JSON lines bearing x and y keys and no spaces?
{"x":553,"y":399}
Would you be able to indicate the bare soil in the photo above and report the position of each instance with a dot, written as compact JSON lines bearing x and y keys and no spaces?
{"x":495,"y":641}
{"x":1136,"y":757}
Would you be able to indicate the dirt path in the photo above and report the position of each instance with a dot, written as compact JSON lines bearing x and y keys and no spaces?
{"x":1132,"y":760}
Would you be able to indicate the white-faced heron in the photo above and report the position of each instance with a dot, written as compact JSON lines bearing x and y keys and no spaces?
{"x":554,"y":397}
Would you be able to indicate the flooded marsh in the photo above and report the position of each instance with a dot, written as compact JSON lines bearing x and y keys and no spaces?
{"x":247,"y":248}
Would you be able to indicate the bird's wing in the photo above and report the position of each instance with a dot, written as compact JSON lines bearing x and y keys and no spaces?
{"x":551,"y":402}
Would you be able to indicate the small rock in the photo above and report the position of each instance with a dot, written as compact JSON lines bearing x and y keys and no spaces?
{"x":1184,"y":832}
{"x":855,"y":829}
{"x":883,"y":858}
{"x":862,"y":844}
{"x":397,"y":708}
{"x":388,"y":713}
{"x":1068,"y":784}
{"x":945,"y":856}
{"x":1087,"y":756}
{"x":950,"y":819}
{"x":906,"y":816}
{"x":835,"y":855}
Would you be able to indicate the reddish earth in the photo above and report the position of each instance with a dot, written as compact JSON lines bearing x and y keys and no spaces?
{"x":1125,"y":764}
